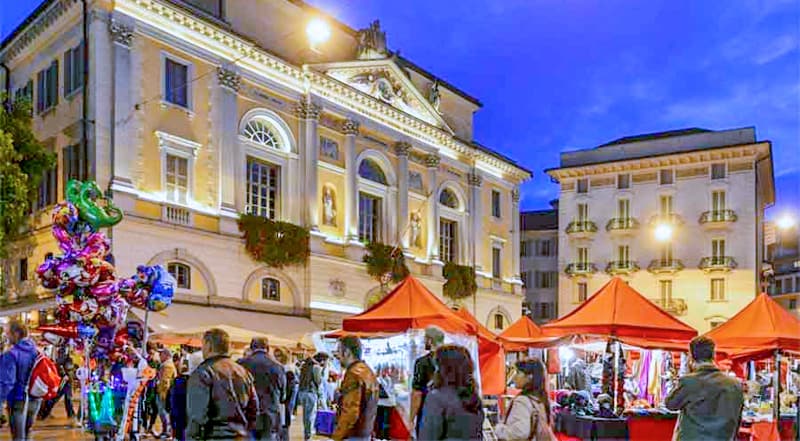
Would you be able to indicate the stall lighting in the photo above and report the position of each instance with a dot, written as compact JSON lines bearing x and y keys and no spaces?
{"x":566,"y":354}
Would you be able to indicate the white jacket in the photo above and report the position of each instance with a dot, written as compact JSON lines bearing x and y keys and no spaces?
{"x":527,"y":419}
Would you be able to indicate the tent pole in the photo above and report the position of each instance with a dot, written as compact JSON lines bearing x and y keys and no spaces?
{"x":614,"y":372}
{"x":776,"y":406}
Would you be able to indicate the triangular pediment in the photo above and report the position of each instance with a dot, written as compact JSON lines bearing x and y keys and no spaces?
{"x":385,"y":81}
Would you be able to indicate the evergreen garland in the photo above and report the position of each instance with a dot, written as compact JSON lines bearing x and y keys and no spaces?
{"x":384,"y":259}
{"x":277,"y":244}
{"x":460,"y":282}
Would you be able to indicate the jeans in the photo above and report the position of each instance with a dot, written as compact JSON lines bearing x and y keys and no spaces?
{"x":163,"y":415}
{"x":15,"y":413}
{"x":308,"y":401}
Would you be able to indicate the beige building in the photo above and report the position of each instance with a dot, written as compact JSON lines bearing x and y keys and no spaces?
{"x":197,"y":111}
{"x":679,"y":215}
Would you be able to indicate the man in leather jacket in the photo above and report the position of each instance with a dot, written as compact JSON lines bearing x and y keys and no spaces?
{"x":221,"y":399}
{"x":270,"y":384}
{"x":358,"y":403}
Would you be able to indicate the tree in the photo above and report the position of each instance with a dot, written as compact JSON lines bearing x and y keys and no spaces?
{"x":23,"y":161}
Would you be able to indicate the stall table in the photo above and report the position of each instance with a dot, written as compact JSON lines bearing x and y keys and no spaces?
{"x":651,"y":427}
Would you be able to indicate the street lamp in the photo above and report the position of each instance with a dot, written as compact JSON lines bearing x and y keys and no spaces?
{"x":317,"y":32}
{"x":663,"y":232}
{"x":786,"y":221}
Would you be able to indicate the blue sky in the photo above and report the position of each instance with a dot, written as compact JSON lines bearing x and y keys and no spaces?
{"x":561,"y":75}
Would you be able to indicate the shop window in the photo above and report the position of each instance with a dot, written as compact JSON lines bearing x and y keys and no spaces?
{"x":182,"y":275}
{"x":270,"y":289}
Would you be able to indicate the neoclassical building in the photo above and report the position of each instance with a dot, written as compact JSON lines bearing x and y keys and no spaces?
{"x":196,"y":111}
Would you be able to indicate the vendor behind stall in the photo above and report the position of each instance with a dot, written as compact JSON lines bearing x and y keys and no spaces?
{"x":424,"y":368}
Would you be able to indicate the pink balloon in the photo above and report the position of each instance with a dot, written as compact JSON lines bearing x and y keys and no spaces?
{"x":105,"y":291}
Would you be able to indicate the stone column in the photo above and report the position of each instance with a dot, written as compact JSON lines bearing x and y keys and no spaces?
{"x":225,"y":133}
{"x":401,"y":149}
{"x":432,"y":162}
{"x":515,"y":233}
{"x":475,"y":181}
{"x":124,"y":148}
{"x":309,"y":112}
{"x":350,"y":129}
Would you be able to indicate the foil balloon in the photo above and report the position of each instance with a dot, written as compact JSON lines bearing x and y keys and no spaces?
{"x":84,"y":196}
{"x":86,"y":331}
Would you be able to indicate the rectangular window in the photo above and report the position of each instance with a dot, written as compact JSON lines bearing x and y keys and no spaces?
{"x":182,"y":275}
{"x":262,"y":188}
{"x":73,"y":69}
{"x":665,"y":205}
{"x":665,"y":289}
{"x":544,"y":248}
{"x":583,"y":185}
{"x":792,"y":303}
{"x":523,"y":276}
{"x":624,"y":209}
{"x":582,"y":291}
{"x":583,"y":212}
{"x":717,"y":250}
{"x":717,"y":289}
{"x":495,"y":203}
{"x":778,"y":286}
{"x":23,"y":269}
{"x":496,"y":263}
{"x":666,"y":177}
{"x":666,"y":254}
{"x":24,"y":93}
{"x":177,"y":179}
{"x":48,"y":188}
{"x":499,"y":321}
{"x":447,"y":240}
{"x":543,"y":310}
{"x":176,"y":83}
{"x":718,"y":171}
{"x":583,"y":256}
{"x":717,"y":201}
{"x":47,"y":88}
{"x":523,"y":248}
{"x":623,"y":253}
{"x":76,"y":162}
{"x":369,"y":218}
{"x":623,"y":181}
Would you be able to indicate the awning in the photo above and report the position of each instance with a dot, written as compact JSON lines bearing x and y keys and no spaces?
{"x":179,"y":317}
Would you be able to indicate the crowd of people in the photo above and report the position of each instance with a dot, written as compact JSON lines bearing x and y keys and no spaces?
{"x":207,"y":395}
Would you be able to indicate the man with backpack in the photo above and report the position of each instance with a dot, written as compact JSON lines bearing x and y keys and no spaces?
{"x":309,"y":394}
{"x":16,"y":366}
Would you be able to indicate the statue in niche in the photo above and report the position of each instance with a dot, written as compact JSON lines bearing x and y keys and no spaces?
{"x":434,"y":97}
{"x":416,"y":228}
{"x":371,"y":42}
{"x":328,"y":207}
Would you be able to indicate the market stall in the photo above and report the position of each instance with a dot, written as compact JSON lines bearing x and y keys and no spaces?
{"x":491,"y":355}
{"x":239,"y":337}
{"x":523,"y":335}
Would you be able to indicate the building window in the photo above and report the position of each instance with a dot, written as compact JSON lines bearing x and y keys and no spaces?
{"x":177,"y":179}
{"x":666,"y":177}
{"x":496,"y":203}
{"x":448,"y":198}
{"x":718,"y":171}
{"x":544,"y":248}
{"x":792,"y":303}
{"x":523,"y":276}
{"x":47,"y":88}
{"x":76,"y":162}
{"x":496,"y":263}
{"x":24,"y":93}
{"x":623,"y":181}
{"x":623,"y":253}
{"x":73,"y":69}
{"x":717,"y":251}
{"x":176,"y":83}
{"x":182,"y":274}
{"x":718,"y":201}
{"x":23,"y":269}
{"x":543,"y":310}
{"x":583,"y":212}
{"x":583,"y":185}
{"x":370,"y":170}
{"x":262,"y":188}
{"x":545,"y":279}
{"x":665,"y":205}
{"x":665,"y":289}
{"x":624,"y":209}
{"x":778,"y":286}
{"x":369,"y":218}
{"x":582,"y":291}
{"x":499,"y":321}
{"x":523,"y":248}
{"x":717,"y":290}
{"x":48,"y":187}
{"x":270,"y":289}
{"x":215,"y":8}
{"x":666,"y":253}
{"x":583,"y":256}
{"x":447,"y":240}
{"x":260,"y":132}
{"x":328,"y":148}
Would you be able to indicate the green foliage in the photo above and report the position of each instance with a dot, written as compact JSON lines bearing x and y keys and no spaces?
{"x":277,"y":244}
{"x":385,"y":259}
{"x":23,"y":161}
{"x":460,"y":282}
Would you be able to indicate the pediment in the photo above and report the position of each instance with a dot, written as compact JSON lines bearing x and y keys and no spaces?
{"x":386,"y":82}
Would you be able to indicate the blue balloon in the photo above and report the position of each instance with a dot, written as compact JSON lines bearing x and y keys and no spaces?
{"x":86,"y":331}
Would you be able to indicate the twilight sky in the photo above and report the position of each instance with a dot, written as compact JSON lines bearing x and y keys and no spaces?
{"x":558,"y":75}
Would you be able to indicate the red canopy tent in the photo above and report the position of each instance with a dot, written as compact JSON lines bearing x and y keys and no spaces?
{"x":491,"y":354}
{"x":524,"y":334}
{"x":619,"y":311}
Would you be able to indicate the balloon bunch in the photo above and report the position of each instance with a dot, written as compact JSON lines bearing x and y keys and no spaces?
{"x":92,"y":302}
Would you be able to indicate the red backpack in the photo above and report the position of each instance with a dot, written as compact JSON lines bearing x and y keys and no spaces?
{"x":44,"y":381}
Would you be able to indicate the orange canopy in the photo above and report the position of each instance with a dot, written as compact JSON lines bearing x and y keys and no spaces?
{"x":763,"y":325}
{"x":491,"y":354}
{"x":409,"y":306}
{"x":619,"y":311}
{"x":524,"y":334}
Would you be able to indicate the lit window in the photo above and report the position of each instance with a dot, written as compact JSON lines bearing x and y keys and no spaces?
{"x":369,"y":169}
{"x":495,"y":203}
{"x":582,"y":291}
{"x":270,"y":289}
{"x":447,"y":240}
{"x":496,"y":263}
{"x":623,"y":181}
{"x":448,"y":198}
{"x":499,"y":321}
{"x":182,"y":274}
{"x":369,"y":218}
{"x":262,"y":188}
{"x":47,"y":88}
{"x":583,"y":185}
{"x":73,"y":69}
{"x":177,"y":178}
{"x":717,"y":289}
{"x":718,"y":171}
{"x":260,"y":132}
{"x":176,"y":83}
{"x":666,"y":177}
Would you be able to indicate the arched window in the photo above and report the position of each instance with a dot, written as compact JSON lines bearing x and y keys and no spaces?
{"x":369,"y":169}
{"x":270,"y":289}
{"x":448,"y":198}
{"x":182,"y":274}
{"x":261,"y":132}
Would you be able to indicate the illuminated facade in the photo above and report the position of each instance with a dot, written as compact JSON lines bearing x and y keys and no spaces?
{"x":202,"y":110}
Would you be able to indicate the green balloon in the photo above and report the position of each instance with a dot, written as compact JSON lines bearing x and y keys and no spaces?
{"x":84,"y":196}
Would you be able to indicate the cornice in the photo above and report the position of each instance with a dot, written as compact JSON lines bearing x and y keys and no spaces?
{"x":34,"y":29}
{"x":747,"y":151}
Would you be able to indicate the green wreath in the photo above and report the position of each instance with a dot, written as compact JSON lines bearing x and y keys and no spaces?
{"x":385,"y":259}
{"x":460,"y":282}
{"x":277,"y":244}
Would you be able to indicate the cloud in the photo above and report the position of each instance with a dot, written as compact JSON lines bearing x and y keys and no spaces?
{"x":775,"y":49}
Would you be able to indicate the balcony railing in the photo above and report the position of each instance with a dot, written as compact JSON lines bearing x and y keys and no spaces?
{"x":621,"y":267}
{"x":581,"y":226}
{"x":672,"y":305}
{"x":717,"y":263}
{"x":666,"y":219}
{"x":665,"y":266}
{"x":578,"y":268}
{"x":622,"y":224}
{"x":174,"y":214}
{"x":718,"y":216}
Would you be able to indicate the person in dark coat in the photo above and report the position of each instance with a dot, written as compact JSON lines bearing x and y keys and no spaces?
{"x":270,"y":383}
{"x":177,"y":406}
{"x":710,"y":401}
{"x":15,"y":371}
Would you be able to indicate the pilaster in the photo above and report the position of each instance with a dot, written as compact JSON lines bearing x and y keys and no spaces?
{"x":225,"y":135}
{"x":308,"y":113}
{"x":401,"y":149}
{"x":350,"y":128}
{"x":432,"y":162}
{"x":515,"y":233}
{"x":475,"y":181}
{"x":122,"y":37}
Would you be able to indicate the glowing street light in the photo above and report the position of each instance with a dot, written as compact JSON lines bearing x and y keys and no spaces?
{"x":663,"y":232}
{"x":318,"y":32}
{"x":785,"y":222}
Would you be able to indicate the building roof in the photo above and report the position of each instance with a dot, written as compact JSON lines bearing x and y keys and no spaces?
{"x":656,"y":135}
{"x":539,"y":220}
